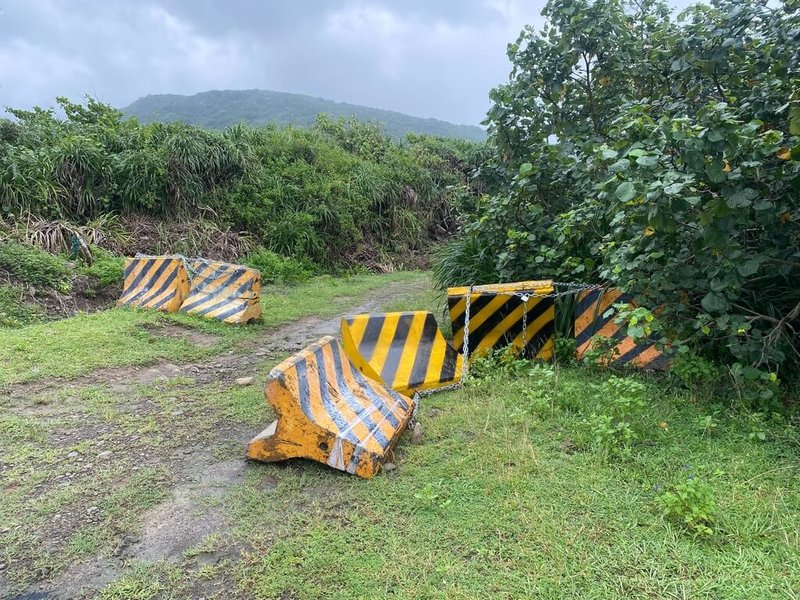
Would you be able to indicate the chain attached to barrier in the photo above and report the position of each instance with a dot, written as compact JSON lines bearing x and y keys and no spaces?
{"x":525,"y":296}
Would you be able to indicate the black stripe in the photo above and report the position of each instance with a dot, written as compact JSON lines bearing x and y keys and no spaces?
{"x":636,"y":351}
{"x":163,"y":288}
{"x":151,"y":279}
{"x":589,"y":301}
{"x":596,"y":324}
{"x":476,"y":335}
{"x":456,"y":321}
{"x":477,"y":304}
{"x":372,"y":333}
{"x":423,"y":358}
{"x":449,"y":365}
{"x":396,"y":349}
{"x":538,"y":341}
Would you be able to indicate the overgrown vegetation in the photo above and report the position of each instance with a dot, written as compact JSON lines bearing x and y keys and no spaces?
{"x":337,"y":194}
{"x":661,"y":156}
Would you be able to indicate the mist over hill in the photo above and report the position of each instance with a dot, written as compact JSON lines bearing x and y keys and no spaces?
{"x":218,"y":109}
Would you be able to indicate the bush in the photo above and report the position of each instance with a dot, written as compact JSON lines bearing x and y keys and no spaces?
{"x":279,"y":269}
{"x":660,"y":156}
{"x":106,"y":268}
{"x":35,"y":267}
{"x":691,"y":504}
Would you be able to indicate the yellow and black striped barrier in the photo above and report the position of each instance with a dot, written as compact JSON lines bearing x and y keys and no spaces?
{"x":404,"y":350}
{"x":329,"y":412}
{"x":496,"y":320}
{"x":157,"y":282}
{"x":230,"y":293}
{"x":594,"y":316}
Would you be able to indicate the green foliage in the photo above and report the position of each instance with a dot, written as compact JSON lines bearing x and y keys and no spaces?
{"x":660,"y":156}
{"x":14,"y":310}
{"x":691,"y":504}
{"x":340,"y":193}
{"x":618,"y":426}
{"x":33,"y":266}
{"x":279,"y":269}
{"x":219,"y":109}
{"x":106,"y":268}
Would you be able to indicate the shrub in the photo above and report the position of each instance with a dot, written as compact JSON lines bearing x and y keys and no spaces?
{"x":279,"y":269}
{"x":35,"y":267}
{"x":691,"y":504}
{"x":106,"y":268}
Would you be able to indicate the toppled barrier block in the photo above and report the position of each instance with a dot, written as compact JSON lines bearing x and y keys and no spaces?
{"x":157,"y":282}
{"x":330,"y":412}
{"x":404,"y":350}
{"x":224,"y":291}
{"x":505,"y":314}
{"x":595,"y":315}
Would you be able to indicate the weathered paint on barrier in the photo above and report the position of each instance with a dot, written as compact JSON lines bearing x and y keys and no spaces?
{"x":496,"y":318}
{"x":330,"y":412}
{"x":157,"y":282}
{"x":404,"y":350}
{"x":224,"y":291}
{"x":595,"y":314}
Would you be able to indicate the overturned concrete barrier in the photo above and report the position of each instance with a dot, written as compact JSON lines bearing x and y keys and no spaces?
{"x":330,"y":412}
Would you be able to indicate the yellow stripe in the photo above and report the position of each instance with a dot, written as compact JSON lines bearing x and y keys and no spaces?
{"x":218,"y":296}
{"x":488,"y":311}
{"x":534,"y":328}
{"x":384,"y":342}
{"x":127,"y":295}
{"x":410,"y":349}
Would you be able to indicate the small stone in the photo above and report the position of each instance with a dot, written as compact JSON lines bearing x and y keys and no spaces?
{"x":416,"y":434}
{"x":73,"y":454}
{"x":2,"y":566}
{"x":176,"y":413}
{"x":243,"y":381}
{"x":388,"y":467}
{"x":105,"y":455}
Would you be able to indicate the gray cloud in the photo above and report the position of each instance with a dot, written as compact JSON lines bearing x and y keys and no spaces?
{"x":431,"y":59}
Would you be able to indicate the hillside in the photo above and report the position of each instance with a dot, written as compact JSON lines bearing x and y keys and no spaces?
{"x":218,"y":109}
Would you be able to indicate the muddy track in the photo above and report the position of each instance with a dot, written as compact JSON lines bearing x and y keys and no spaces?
{"x":200,"y":475}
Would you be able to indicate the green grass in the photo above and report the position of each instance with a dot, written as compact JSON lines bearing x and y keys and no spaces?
{"x":514,"y":492}
{"x":492,"y":505}
{"x":122,"y":336}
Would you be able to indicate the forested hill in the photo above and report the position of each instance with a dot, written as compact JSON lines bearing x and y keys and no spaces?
{"x":218,"y":109}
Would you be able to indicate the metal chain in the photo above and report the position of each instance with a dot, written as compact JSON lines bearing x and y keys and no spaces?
{"x":524,"y":299}
{"x":465,"y":344}
{"x":524,"y":296}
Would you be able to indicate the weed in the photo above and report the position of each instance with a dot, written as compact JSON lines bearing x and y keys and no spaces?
{"x":106,"y":268}
{"x":33,"y":266}
{"x":692,"y":504}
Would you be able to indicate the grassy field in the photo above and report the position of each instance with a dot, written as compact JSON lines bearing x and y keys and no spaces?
{"x":531,"y":482}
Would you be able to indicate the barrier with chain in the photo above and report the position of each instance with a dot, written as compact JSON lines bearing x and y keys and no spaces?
{"x":517,"y":314}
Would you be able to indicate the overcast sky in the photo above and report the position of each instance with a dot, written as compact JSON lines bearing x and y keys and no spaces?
{"x":430,"y":58}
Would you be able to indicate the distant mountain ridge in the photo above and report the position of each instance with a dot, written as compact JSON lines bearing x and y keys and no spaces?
{"x":218,"y":109}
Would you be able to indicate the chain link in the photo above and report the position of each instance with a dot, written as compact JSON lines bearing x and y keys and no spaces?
{"x":572,"y":288}
{"x":465,"y":344}
{"x":524,"y":299}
